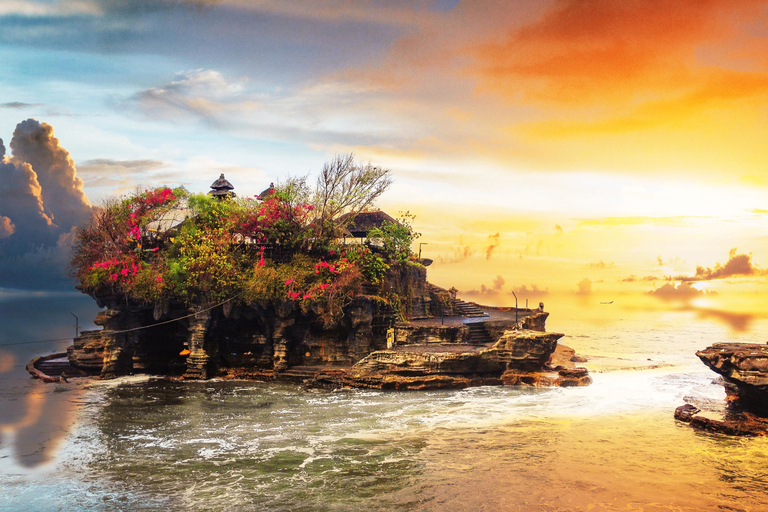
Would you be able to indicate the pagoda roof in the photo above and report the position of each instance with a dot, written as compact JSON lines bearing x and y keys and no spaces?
{"x":222,"y":184}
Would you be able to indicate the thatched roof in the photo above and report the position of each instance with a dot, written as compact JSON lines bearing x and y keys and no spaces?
{"x":221,"y":184}
{"x":222,"y":188}
{"x":363,"y":222}
{"x":267,"y":193}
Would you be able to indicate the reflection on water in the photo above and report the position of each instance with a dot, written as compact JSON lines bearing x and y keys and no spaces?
{"x":145,"y":445}
{"x":35,"y":417}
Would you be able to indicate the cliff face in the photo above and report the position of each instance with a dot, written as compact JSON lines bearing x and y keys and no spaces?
{"x":266,"y":339}
{"x":263,"y":337}
{"x":744,"y":367}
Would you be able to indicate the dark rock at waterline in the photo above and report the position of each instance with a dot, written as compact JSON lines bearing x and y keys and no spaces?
{"x":743,"y":368}
{"x":686,"y":412}
{"x":519,"y":357}
{"x":365,"y":347}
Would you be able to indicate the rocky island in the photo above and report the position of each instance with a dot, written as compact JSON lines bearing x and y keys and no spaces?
{"x":296,"y":285}
{"x":743,"y":368}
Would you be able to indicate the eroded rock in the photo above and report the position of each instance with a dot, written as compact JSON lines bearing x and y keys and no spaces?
{"x":744,"y":368}
{"x":744,"y":371}
{"x":517,"y":358}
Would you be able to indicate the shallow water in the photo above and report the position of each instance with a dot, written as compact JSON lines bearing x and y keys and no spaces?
{"x":139,"y":444}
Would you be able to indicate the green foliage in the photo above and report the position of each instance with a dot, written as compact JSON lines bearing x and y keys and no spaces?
{"x":372,"y":266}
{"x":256,"y":250}
{"x":203,"y":266}
{"x":395,"y":238}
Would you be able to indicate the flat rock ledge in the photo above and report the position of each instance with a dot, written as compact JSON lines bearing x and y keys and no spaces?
{"x":520,"y":357}
{"x":744,"y":371}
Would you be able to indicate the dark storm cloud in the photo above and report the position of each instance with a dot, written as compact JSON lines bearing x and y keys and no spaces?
{"x":41,"y":204}
{"x":21,"y":202}
{"x":62,"y":191}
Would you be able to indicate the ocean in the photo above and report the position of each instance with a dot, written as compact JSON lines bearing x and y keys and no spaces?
{"x":147,"y":444}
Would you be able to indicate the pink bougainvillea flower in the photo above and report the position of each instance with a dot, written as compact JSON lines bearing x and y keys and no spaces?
{"x":290,"y":281}
{"x":159,"y":279}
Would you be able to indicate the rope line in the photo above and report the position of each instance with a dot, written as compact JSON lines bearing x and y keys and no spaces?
{"x":180,"y":318}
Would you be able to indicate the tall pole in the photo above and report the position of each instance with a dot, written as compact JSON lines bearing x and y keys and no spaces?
{"x":513,"y":293}
{"x":77,"y":325}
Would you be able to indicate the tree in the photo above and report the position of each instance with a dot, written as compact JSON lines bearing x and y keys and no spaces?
{"x":346,"y":187}
{"x":396,"y":238}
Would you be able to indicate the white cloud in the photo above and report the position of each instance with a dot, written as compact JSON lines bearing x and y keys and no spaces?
{"x":60,"y":8}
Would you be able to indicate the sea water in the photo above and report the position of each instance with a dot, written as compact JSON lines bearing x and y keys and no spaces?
{"x":147,"y":444}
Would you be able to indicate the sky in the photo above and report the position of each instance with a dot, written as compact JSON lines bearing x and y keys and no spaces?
{"x":596,"y":149}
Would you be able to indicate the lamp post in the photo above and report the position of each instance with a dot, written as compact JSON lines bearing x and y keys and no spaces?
{"x":513,"y":293}
{"x":420,"y":244}
{"x":77,"y":325}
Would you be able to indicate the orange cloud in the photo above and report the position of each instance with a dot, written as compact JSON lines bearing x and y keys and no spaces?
{"x":523,"y":290}
{"x":597,"y":51}
{"x":684,"y":291}
{"x":737,"y":265}
{"x":488,"y":291}
{"x":493,"y":242}
{"x":584,"y":287}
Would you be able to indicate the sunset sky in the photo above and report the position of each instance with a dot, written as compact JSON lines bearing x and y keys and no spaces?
{"x":588,"y":147}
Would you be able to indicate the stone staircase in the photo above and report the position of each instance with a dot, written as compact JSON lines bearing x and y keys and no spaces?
{"x":468,"y":309}
{"x":458,"y":307}
{"x":478,"y":335}
{"x":301,"y":373}
{"x":55,"y":367}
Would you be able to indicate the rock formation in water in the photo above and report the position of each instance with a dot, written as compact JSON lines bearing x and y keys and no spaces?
{"x":202,"y":286}
{"x":744,"y":371}
{"x":519,"y":357}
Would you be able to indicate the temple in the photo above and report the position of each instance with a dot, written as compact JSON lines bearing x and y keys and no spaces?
{"x":329,"y":315}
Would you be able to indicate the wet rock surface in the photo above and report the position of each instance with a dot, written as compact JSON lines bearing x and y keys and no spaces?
{"x":519,"y":357}
{"x":744,"y":371}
